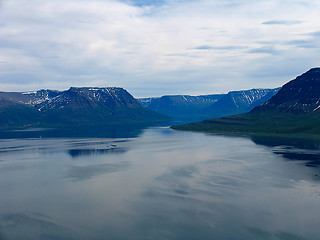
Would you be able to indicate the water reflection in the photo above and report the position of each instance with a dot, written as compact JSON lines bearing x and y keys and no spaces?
{"x":163,"y":184}
{"x":296,"y":142}
{"x":75,"y":153}
{"x":291,"y":148}
{"x":90,"y":171}
{"x":104,"y":131}
{"x":276,"y":235}
{"x":36,"y":226}
{"x":76,"y":148}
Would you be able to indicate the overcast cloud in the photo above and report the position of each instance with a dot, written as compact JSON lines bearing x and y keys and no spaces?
{"x":158,"y":47}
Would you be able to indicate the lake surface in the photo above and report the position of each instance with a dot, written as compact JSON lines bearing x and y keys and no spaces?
{"x":158,"y":183}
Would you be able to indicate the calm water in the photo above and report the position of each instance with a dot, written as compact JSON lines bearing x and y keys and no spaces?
{"x":159,"y":184}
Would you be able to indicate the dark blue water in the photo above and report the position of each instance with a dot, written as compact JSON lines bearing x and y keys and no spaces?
{"x":158,"y":183}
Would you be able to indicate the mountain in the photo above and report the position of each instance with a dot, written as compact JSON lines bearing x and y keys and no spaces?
{"x":179,"y":106}
{"x":301,"y":95}
{"x":14,"y":114}
{"x":208,"y":106}
{"x":76,"y":106}
{"x":295,"y":109}
{"x":29,"y":98}
{"x":236,"y":102}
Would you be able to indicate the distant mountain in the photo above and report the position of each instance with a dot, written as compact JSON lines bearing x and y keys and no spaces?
{"x":295,"y":109}
{"x":208,"y":106}
{"x":236,"y":102}
{"x":76,"y":106}
{"x":180,"y":106}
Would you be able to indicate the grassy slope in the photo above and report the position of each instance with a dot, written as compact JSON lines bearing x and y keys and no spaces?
{"x":259,"y":123}
{"x":17,"y":115}
{"x":98,"y":116}
{"x":14,"y":115}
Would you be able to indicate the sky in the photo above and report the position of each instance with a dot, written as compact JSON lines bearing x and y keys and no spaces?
{"x":157,"y":47}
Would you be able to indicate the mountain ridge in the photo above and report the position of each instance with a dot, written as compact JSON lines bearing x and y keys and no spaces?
{"x":208,"y":106}
{"x":179,"y":106}
{"x":75,"y":106}
{"x":301,"y":95}
{"x":293,"y":110}
{"x":236,"y":102}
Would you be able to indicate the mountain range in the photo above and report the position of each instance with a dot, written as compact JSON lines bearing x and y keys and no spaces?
{"x":73,"y":107}
{"x":185,"y":107}
{"x":180,"y":106}
{"x":295,"y":108}
{"x":96,"y":106}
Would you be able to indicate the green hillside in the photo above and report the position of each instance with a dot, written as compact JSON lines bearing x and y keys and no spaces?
{"x":259,"y":123}
{"x":15,"y":114}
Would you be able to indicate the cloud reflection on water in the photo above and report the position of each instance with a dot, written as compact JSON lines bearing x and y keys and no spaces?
{"x":91,"y":171}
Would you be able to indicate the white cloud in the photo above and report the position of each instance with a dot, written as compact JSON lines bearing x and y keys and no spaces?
{"x":169,"y":47}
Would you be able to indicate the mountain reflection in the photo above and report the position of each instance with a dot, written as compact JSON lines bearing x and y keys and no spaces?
{"x":100,"y":131}
{"x":291,"y":148}
{"x":88,"y":152}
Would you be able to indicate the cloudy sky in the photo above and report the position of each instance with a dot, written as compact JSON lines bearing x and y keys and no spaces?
{"x":157,"y":47}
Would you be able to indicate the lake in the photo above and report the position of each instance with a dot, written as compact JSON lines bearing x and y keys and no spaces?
{"x":157,"y":183}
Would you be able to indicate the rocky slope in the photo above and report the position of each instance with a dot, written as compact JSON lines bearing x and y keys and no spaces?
{"x":301,"y":95}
